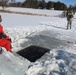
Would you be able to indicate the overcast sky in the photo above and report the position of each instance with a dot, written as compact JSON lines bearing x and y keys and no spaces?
{"x":67,"y":2}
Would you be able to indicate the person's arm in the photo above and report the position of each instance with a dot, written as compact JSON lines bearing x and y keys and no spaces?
{"x":2,"y":34}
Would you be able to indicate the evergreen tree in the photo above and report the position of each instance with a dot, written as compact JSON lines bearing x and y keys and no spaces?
{"x":59,"y":6}
{"x":30,"y":3}
{"x":49,"y":5}
{"x":42,"y":4}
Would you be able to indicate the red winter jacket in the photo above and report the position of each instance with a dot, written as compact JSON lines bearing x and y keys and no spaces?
{"x":2,"y":34}
{"x":4,"y":42}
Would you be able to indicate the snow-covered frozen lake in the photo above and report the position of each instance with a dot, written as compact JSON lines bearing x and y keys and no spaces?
{"x":45,"y":31}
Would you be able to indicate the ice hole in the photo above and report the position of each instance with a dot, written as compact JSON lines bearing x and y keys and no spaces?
{"x":32,"y":53}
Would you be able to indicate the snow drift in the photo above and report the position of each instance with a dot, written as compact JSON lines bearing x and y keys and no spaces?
{"x":54,"y":63}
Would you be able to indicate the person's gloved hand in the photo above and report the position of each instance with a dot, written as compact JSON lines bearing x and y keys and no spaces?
{"x":9,"y":39}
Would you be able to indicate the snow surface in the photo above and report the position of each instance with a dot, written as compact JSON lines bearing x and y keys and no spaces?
{"x":46,"y":31}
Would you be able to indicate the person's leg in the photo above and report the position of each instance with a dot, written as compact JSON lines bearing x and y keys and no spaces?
{"x":6,"y":44}
{"x":70,"y":23}
{"x":67,"y":24}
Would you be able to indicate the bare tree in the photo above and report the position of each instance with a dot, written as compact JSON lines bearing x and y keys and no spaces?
{"x":3,"y":3}
{"x":13,"y":1}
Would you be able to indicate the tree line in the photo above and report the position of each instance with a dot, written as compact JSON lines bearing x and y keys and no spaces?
{"x":44,"y":5}
{"x":37,"y":4}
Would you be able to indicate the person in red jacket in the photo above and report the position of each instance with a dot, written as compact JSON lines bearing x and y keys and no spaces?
{"x":5,"y":41}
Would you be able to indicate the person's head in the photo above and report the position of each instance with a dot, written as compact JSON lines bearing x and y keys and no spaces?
{"x":0,"y":18}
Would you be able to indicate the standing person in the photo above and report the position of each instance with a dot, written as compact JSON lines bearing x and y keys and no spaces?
{"x":69,"y":19}
{"x":5,"y":41}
